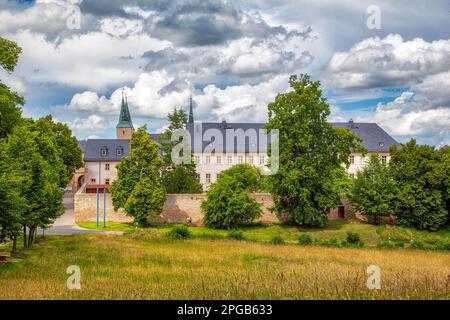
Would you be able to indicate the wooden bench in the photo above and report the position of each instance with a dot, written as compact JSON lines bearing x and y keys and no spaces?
{"x":3,"y":257}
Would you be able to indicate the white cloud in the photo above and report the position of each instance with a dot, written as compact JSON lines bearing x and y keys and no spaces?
{"x":94,"y":61}
{"x":388,"y":62}
{"x":149,"y":97}
{"x":422,"y":112}
{"x":93,"y":123}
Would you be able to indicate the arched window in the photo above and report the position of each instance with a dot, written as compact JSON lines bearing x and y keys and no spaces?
{"x":119,"y":151}
{"x":104,"y":152}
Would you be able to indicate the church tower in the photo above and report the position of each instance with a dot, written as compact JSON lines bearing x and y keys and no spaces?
{"x":124,"y":128}
{"x":191,"y":112}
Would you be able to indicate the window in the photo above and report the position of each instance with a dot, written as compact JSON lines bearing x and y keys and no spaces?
{"x":107,"y":181}
{"x":119,"y":151}
{"x":208,"y":178}
{"x":240,"y":159}
{"x":93,"y":180}
{"x":262,"y":160}
{"x":383,"y":159}
{"x":250,"y":159}
{"x":106,"y":166}
{"x":217,"y":176}
{"x":197,"y":159}
{"x":219,"y":160}
{"x":230,"y":159}
{"x":352,"y":175}
{"x":104,"y":151}
{"x":352,"y":159}
{"x":208,"y":159}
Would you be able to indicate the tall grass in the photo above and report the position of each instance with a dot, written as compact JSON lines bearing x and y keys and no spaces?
{"x":147,"y":266}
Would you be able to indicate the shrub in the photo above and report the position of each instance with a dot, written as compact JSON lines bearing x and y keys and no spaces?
{"x":353,"y":237}
{"x":277,"y":240}
{"x":179,"y":232}
{"x":333,"y":242}
{"x":305,"y":239}
{"x":236,"y":235}
{"x":229,"y":204}
{"x":420,"y":245}
{"x":442,"y":245}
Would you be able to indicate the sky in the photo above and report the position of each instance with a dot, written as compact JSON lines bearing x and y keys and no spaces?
{"x":378,"y":61}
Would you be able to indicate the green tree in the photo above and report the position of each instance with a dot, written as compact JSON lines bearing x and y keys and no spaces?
{"x":374,"y":189}
{"x":177,"y":178}
{"x":178,"y":119}
{"x":12,"y":202}
{"x":312,"y":154}
{"x":181,"y":180}
{"x":139,"y":178}
{"x":10,"y":113}
{"x":420,"y":176}
{"x":27,"y":150}
{"x":70,"y":152}
{"x":444,"y":169}
{"x":228,"y":203}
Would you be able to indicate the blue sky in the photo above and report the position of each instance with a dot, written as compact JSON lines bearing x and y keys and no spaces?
{"x":233,"y":57}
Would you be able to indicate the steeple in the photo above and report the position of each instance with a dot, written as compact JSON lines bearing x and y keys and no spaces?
{"x":191,"y":112}
{"x":124,"y":128}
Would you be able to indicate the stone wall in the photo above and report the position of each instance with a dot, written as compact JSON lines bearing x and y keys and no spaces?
{"x":85,"y":208}
{"x":178,"y":208}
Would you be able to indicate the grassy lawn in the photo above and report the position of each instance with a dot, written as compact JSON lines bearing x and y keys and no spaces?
{"x":145,"y":265}
{"x":371,"y":235}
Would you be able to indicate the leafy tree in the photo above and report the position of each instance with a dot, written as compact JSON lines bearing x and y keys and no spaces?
{"x":374,"y":189}
{"x":312,"y":154}
{"x":181,"y":180}
{"x":245,"y":174}
{"x":12,"y":202}
{"x":138,"y":188}
{"x":420,"y":177}
{"x":177,"y":178}
{"x":70,"y":152}
{"x":178,"y":119}
{"x":444,"y":169}
{"x":10,"y":114}
{"x":26,"y":152}
{"x":228,"y":202}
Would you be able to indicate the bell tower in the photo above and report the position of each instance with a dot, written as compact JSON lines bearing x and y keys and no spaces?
{"x":124,"y":128}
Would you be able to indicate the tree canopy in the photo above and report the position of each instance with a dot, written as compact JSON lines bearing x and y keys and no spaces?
{"x":10,"y":113}
{"x":138,"y":188}
{"x":228,"y":204}
{"x":374,"y":189}
{"x":422,"y":175}
{"x":180,"y":178}
{"x":312,"y":154}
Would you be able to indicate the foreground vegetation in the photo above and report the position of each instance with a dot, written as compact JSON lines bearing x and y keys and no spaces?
{"x":333,"y":234}
{"x":145,"y":265}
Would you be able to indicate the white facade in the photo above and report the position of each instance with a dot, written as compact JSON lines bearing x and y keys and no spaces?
{"x":100,"y":172}
{"x":208,"y":166}
{"x":358,"y":161}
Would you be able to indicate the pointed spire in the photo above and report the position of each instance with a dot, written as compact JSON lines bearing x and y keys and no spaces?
{"x":125,"y":116}
{"x":191,"y":112}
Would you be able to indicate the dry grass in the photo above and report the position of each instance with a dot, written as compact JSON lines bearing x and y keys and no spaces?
{"x":144,"y":266}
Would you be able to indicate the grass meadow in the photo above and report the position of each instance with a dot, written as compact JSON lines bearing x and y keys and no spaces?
{"x":146,"y":265}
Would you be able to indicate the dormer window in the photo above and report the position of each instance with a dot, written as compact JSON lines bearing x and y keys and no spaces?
{"x":104,"y":152}
{"x":119,"y":151}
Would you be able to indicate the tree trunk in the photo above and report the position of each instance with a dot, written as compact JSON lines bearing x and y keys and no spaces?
{"x":14,"y":247}
{"x":25,"y":236}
